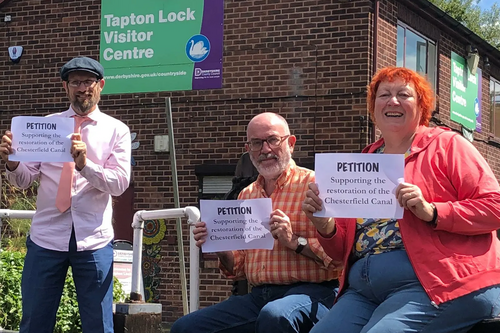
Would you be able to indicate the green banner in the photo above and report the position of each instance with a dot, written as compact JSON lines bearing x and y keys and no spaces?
{"x":157,"y":45}
{"x":464,"y":93}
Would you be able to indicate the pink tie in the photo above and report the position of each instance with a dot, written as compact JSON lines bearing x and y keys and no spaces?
{"x":63,"y":197}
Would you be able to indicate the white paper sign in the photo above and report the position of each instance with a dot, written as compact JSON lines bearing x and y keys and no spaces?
{"x":359,"y":185}
{"x":41,"y":139}
{"x":237,"y":224}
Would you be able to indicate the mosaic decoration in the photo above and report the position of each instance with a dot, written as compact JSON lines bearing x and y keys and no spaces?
{"x":154,"y":232}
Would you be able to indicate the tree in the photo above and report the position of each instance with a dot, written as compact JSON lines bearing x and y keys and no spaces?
{"x":485,"y":24}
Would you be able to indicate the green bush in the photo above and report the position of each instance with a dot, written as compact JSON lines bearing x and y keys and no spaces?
{"x":68,"y":318}
{"x":14,"y":231}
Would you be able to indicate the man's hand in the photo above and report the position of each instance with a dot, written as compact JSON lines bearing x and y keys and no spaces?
{"x":6,"y":150}
{"x":281,"y":229}
{"x":200,"y":233}
{"x":78,"y":151}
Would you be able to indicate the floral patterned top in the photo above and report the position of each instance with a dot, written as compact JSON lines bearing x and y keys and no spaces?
{"x":375,"y":236}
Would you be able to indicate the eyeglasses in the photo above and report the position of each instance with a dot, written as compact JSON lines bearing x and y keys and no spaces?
{"x":86,"y":83}
{"x":273,"y":141}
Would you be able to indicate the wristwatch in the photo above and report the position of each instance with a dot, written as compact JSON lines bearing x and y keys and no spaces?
{"x":302,"y":243}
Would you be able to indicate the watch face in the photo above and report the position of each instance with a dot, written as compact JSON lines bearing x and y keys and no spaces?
{"x":302,"y":241}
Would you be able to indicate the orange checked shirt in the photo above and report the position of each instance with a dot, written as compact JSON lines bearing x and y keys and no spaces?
{"x":282,"y":265}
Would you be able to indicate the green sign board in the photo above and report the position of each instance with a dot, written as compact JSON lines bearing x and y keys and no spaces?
{"x":465,"y":100}
{"x":158,"y":45}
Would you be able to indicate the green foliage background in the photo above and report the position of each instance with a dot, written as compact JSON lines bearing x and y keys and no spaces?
{"x":484,"y":23}
{"x":68,"y":318}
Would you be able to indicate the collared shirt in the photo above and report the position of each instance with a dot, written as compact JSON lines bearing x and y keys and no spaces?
{"x":106,"y":174}
{"x":282,"y":265}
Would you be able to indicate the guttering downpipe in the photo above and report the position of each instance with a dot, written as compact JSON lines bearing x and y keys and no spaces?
{"x":375,"y":37}
{"x":371,"y":131}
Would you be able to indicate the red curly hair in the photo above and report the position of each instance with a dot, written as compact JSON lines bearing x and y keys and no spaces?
{"x":425,"y":95}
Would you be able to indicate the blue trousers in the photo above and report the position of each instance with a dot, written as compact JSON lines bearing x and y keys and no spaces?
{"x":43,"y":281}
{"x":385,"y":296}
{"x":267,"y":308}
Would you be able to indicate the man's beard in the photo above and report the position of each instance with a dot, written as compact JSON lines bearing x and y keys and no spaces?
{"x":85,"y":105}
{"x":275,"y":170}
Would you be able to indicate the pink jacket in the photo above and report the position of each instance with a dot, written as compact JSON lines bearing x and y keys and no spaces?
{"x":461,"y":254}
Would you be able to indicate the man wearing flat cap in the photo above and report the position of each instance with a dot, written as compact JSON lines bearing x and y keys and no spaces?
{"x":72,"y":225}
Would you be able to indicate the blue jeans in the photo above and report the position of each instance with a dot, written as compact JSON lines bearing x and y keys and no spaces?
{"x":267,"y":308}
{"x":385,"y":296}
{"x":43,"y":281}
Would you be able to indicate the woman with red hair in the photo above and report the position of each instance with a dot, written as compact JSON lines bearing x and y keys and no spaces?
{"x":438,"y":268}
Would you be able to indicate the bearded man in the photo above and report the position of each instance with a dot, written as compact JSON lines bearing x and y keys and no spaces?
{"x":72,"y":225}
{"x":295,"y":283}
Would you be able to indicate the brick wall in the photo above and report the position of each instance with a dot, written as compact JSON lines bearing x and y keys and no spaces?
{"x":307,"y":60}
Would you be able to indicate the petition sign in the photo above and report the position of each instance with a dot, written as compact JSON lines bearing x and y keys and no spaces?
{"x":157,"y":45}
{"x":359,"y":185}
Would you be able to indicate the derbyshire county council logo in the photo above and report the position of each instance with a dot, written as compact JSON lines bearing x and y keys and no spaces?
{"x":476,"y":107}
{"x":197,"y":48}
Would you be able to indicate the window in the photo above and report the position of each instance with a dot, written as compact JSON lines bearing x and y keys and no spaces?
{"x":215,"y":187}
{"x":414,"y":51}
{"x":495,"y":107}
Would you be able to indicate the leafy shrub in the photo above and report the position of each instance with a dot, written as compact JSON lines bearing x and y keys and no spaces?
{"x":14,"y":231}
{"x":11,"y":266}
{"x":68,"y":318}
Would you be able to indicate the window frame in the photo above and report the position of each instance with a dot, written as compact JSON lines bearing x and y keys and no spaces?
{"x":492,"y":117}
{"x":434,"y":76}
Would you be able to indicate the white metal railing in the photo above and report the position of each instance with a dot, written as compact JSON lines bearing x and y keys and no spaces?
{"x":14,"y":214}
{"x":193,"y":215}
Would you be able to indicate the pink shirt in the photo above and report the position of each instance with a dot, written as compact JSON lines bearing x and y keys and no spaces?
{"x":106,"y":174}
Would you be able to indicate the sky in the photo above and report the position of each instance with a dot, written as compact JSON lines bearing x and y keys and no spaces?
{"x":486,"y":4}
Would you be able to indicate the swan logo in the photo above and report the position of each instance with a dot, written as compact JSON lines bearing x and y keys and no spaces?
{"x":198,"y":48}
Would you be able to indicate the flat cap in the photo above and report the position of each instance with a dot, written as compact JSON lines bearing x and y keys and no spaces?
{"x":82,"y":64}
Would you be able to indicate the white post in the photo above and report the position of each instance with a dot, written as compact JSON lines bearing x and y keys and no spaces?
{"x":194,"y":261}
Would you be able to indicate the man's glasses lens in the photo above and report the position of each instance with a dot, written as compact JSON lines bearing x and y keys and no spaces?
{"x":272,"y":141}
{"x":86,"y":83}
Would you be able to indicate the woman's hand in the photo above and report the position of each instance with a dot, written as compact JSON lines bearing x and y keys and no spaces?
{"x":410,"y":197}
{"x":312,"y":204}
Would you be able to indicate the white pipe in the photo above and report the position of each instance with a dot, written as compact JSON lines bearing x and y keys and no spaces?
{"x":14,"y":214}
{"x":17,"y":214}
{"x":163,"y":214}
{"x":193,"y":215}
{"x":138,"y":225}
